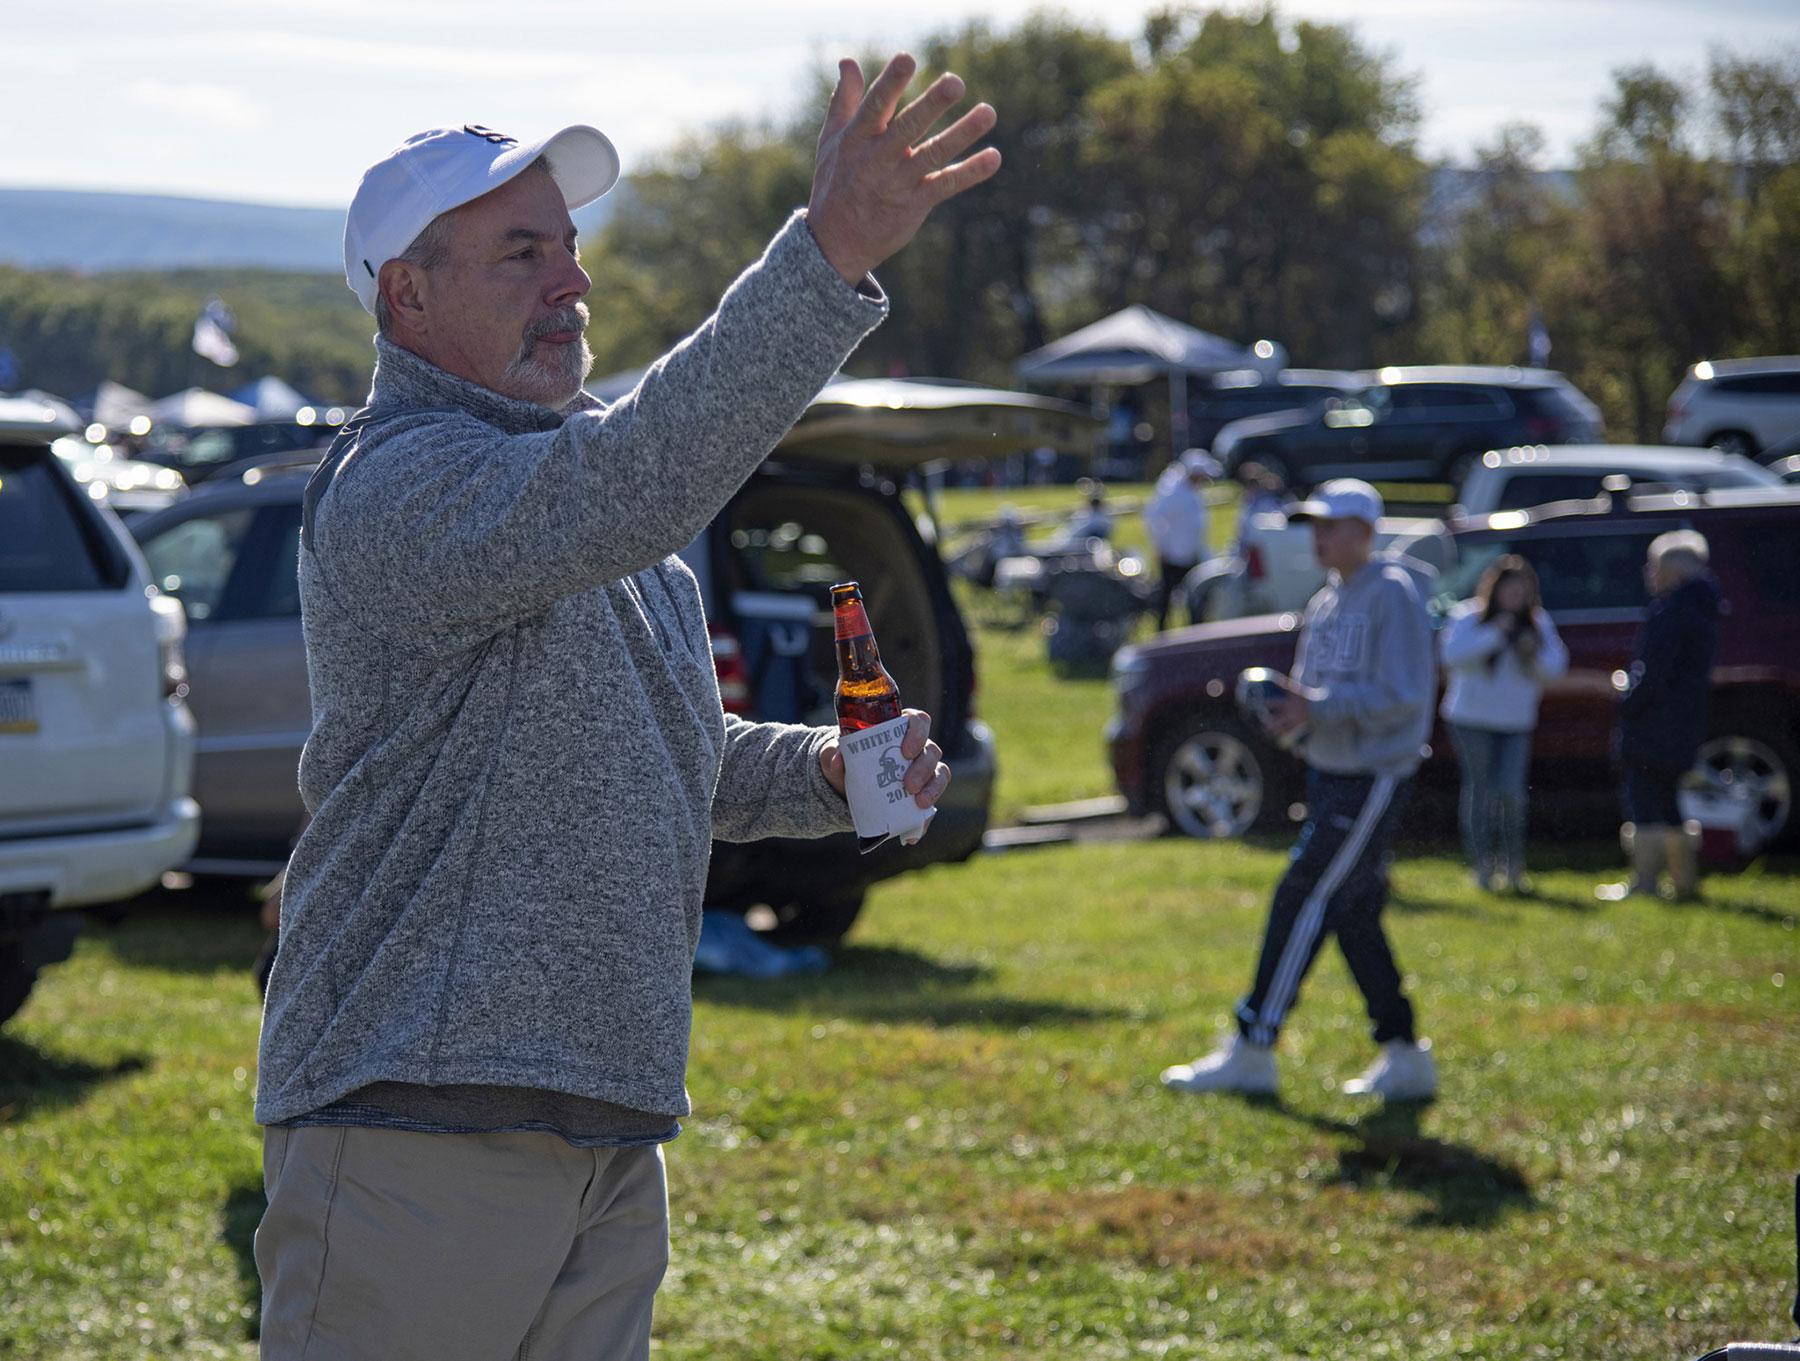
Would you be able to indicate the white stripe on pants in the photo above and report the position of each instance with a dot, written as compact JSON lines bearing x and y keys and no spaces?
{"x":1303,"y":939}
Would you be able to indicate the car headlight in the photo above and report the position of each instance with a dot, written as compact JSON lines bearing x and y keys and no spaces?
{"x":1129,"y":667}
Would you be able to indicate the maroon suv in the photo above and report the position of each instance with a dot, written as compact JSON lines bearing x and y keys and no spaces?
{"x":1180,"y":747}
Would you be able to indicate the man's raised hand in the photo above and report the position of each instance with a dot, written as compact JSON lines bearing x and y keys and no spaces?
{"x":876,"y":181}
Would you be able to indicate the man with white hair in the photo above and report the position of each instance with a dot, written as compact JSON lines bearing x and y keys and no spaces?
{"x":1663,"y":710}
{"x":476,"y":1033}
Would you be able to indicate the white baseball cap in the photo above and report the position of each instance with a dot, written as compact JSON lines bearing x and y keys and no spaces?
{"x":1343,"y":498}
{"x":445,"y":168}
{"x":1199,"y":461}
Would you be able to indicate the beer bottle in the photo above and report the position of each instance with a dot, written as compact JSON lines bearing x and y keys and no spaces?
{"x":866,"y":694}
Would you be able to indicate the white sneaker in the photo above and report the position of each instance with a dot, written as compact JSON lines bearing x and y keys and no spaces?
{"x":1401,"y":1072}
{"x":1237,"y":1065}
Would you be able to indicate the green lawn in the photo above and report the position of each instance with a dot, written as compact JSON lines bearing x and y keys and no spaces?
{"x":954,"y":1144}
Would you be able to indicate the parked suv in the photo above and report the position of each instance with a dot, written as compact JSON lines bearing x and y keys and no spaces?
{"x":96,"y":744}
{"x":1230,"y":396}
{"x":1739,"y":405}
{"x":1427,"y":424}
{"x":824,"y":508}
{"x":1179,"y":746}
{"x":1511,"y":479}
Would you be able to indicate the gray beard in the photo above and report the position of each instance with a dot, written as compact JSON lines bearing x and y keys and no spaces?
{"x":550,"y":375}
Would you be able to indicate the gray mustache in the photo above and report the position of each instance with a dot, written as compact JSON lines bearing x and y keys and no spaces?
{"x":574,"y":318}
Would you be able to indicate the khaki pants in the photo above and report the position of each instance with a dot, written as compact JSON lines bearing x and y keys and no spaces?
{"x":380,"y":1245}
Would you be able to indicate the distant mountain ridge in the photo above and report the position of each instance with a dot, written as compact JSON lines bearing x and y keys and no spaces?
{"x":97,"y":232}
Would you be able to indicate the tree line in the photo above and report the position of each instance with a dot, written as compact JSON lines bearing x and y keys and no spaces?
{"x":1254,"y":176}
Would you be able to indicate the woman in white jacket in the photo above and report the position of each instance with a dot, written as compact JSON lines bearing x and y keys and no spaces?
{"x":1499,"y":649}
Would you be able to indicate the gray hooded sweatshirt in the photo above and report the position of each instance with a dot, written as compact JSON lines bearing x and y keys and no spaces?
{"x":518,"y":758}
{"x":1366,"y":647}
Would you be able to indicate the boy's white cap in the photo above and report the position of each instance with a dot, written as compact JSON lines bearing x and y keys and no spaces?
{"x":445,"y":168}
{"x":1343,"y":498}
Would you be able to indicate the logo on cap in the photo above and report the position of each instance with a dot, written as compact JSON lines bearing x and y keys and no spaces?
{"x":489,"y":135}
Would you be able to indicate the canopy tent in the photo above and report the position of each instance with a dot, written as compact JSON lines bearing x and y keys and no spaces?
{"x":272,"y":399}
{"x":196,"y":408}
{"x":1136,"y":346}
{"x":114,"y":405}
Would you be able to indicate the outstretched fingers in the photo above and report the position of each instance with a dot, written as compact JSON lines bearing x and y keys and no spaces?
{"x":845,"y":99}
{"x":952,"y":180}
{"x":915,"y":120}
{"x":876,"y":111}
{"x":944,"y":148}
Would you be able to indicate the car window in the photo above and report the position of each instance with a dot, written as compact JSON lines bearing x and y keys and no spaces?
{"x":1589,"y":572}
{"x":1536,"y":489}
{"x":192,"y":560}
{"x":272,"y":590}
{"x":800,"y":540}
{"x":46,"y":540}
{"x":1586,"y":572}
{"x":1761,"y":385}
{"x":1772,"y":555}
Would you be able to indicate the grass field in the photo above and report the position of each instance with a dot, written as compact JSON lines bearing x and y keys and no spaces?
{"x":954,"y":1145}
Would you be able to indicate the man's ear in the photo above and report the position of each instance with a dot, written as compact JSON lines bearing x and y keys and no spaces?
{"x":406,"y":289}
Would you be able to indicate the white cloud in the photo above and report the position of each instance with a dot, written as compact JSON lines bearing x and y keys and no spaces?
{"x":219,"y":104}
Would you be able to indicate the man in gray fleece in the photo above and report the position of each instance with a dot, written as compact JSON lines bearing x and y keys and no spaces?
{"x":476,"y":1032}
{"x":1362,"y":694}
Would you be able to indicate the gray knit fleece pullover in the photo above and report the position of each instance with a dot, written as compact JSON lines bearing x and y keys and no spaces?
{"x":518,"y":759}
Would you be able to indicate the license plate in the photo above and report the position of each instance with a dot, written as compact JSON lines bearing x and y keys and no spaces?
{"x":18,"y":713}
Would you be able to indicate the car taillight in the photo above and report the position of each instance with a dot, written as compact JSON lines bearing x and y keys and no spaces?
{"x":171,"y":635}
{"x":728,"y":662}
{"x":1253,"y":563}
{"x":1677,"y":407}
{"x":1545,"y":430}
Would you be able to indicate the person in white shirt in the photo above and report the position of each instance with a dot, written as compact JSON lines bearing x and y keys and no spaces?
{"x":1177,"y":520}
{"x":1499,"y":649}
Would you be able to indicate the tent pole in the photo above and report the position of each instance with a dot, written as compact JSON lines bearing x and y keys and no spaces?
{"x":1178,"y":413}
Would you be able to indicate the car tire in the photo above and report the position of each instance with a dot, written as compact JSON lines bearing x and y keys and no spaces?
{"x":1215,"y":778}
{"x":16,"y":977}
{"x":1733,"y":442}
{"x":818,"y":921}
{"x":1748,"y":769}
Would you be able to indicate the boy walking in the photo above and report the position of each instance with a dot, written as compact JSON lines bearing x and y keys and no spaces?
{"x":1361,"y":695}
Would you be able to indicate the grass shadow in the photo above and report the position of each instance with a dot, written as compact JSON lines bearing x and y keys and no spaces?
{"x":242,"y":1213}
{"x":190,"y":931}
{"x":1471,"y":1190}
{"x":882,"y":983}
{"x":31,"y":1080}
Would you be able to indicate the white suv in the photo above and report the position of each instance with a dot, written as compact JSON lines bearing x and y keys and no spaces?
{"x":96,"y":742}
{"x":1739,"y":405}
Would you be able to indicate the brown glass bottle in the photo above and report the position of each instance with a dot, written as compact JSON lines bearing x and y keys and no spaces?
{"x":866,"y":694}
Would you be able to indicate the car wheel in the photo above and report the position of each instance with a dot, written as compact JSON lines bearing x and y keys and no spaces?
{"x":1745,"y":781}
{"x":1733,"y":442}
{"x":819,"y":921}
{"x":16,"y":977}
{"x":1217,"y":779}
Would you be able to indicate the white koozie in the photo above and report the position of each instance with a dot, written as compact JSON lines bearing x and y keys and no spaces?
{"x":874,"y":776}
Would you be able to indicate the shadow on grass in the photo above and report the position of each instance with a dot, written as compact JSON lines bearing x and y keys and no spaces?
{"x":1472,"y":1190}
{"x":243,"y":1212}
{"x":31,"y":1080}
{"x":883,"y":983}
{"x":191,"y":931}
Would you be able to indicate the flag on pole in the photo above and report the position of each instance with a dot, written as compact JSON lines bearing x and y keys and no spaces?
{"x":212,"y":334}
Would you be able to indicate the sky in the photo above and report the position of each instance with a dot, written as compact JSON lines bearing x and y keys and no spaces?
{"x":285,"y":101}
